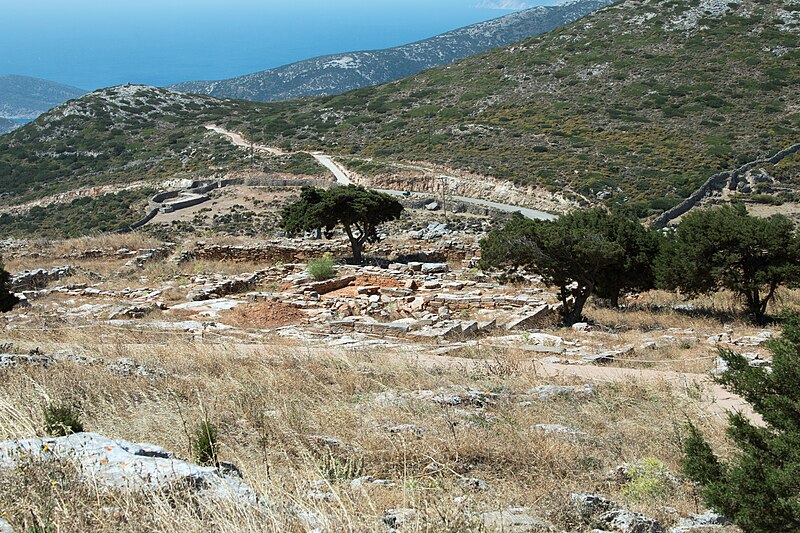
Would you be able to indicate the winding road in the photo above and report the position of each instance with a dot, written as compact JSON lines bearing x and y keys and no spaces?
{"x":343,"y":177}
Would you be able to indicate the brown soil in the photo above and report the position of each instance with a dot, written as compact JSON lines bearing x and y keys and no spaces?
{"x":265,"y":315}
{"x":364,"y":280}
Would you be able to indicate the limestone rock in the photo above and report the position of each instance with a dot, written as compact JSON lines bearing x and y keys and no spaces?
{"x":395,"y":518}
{"x":434,"y":268}
{"x":124,"y":465}
{"x":513,"y":520}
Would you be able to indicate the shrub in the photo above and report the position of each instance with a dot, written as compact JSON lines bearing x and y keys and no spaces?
{"x":335,"y":468}
{"x":7,"y":298}
{"x":648,"y":479}
{"x":61,"y":420}
{"x":758,"y":487}
{"x":322,"y":268}
{"x":205,"y":446}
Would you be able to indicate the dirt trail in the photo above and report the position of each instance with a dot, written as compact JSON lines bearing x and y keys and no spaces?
{"x":343,"y":177}
{"x":718,"y":405}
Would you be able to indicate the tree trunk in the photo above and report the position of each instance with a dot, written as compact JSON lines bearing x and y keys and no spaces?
{"x":575,"y":313}
{"x":358,"y":248}
{"x":356,"y":243}
{"x":615,"y":299}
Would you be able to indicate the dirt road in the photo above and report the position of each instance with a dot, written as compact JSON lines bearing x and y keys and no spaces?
{"x":343,"y":178}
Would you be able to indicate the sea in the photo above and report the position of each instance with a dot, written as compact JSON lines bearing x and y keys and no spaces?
{"x":98,"y":43}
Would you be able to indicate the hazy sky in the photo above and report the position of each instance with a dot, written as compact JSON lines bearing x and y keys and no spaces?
{"x":97,"y":43}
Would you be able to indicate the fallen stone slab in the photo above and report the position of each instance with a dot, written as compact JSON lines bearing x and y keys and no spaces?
{"x":123,"y":465}
{"x":513,"y":520}
{"x":434,"y":268}
{"x":542,"y":349}
{"x":553,"y":391}
{"x":330,"y":285}
{"x":535,"y":318}
{"x":209,"y":308}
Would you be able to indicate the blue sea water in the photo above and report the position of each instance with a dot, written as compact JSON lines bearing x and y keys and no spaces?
{"x":98,"y":43}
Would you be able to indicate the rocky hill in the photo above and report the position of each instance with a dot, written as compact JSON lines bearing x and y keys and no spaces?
{"x":120,"y":134}
{"x":335,"y":74}
{"x":25,"y":97}
{"x":639,"y":103}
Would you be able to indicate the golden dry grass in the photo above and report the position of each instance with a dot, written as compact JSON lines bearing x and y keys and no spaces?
{"x":266,"y":399}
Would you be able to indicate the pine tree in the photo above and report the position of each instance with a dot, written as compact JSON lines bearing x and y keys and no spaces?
{"x":759,"y":487}
{"x":584,"y":253}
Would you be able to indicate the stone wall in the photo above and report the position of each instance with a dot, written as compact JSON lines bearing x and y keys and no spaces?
{"x":717,"y":182}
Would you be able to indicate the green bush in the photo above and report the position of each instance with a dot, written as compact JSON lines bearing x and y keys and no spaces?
{"x":648,"y":479}
{"x":205,"y":447}
{"x":61,"y":420}
{"x":322,"y":268}
{"x":757,"y":487}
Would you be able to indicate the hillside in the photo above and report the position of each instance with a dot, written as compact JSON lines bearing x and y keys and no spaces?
{"x":338,"y":73}
{"x":639,"y":102}
{"x":25,"y":97}
{"x":120,"y":134}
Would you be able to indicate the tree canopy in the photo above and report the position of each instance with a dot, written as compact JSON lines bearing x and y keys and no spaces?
{"x":759,"y":488}
{"x":7,"y":298}
{"x":584,"y":253}
{"x":358,"y":210}
{"x":726,"y":248}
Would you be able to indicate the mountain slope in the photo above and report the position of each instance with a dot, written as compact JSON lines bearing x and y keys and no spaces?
{"x":115,"y":135}
{"x":335,"y":74}
{"x":25,"y":97}
{"x":640,"y":102}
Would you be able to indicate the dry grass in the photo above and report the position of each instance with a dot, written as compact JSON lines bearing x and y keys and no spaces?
{"x":266,"y":399}
{"x":105,"y":241}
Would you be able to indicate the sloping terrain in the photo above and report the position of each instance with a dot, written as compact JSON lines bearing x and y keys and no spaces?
{"x":338,"y":73}
{"x":26,"y":97}
{"x":121,"y":134}
{"x":639,"y":102}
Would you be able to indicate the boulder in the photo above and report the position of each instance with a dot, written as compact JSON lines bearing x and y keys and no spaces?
{"x":434,"y":268}
{"x":396,"y":518}
{"x":597,"y":510}
{"x":513,"y":520}
{"x":123,"y":465}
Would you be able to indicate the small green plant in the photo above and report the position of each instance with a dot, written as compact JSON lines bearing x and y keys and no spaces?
{"x":335,"y":468}
{"x":61,"y":420}
{"x":647,"y":480}
{"x":205,"y":447}
{"x":322,"y":268}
